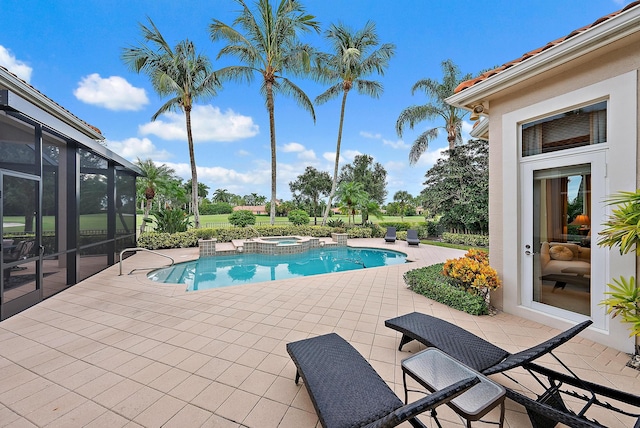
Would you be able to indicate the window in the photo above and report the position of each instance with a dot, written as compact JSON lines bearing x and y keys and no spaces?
{"x":575,"y":128}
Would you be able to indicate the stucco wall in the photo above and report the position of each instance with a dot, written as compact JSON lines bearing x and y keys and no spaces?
{"x":611,"y":61}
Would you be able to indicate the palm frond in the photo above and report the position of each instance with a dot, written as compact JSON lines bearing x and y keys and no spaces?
{"x":422,"y":144}
{"x":288,"y":88}
{"x":330,"y":93}
{"x":369,"y":87}
{"x":414,"y":114}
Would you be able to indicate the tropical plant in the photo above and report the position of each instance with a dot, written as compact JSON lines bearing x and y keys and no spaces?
{"x":171,"y":221}
{"x":622,"y":230}
{"x":351,"y":195}
{"x":355,"y":55}
{"x":473,"y":273}
{"x":153,"y":177}
{"x":242,"y":218}
{"x":180,"y":73}
{"x":298,"y":217}
{"x":403,"y":198}
{"x":310,"y":187}
{"x":370,"y":208}
{"x":437,"y":108}
{"x":268,"y":45}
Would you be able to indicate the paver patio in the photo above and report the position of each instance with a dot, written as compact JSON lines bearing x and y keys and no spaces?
{"x":121,"y":351}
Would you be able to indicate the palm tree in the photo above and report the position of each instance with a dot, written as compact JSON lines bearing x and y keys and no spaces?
{"x":435,"y":109}
{"x":221,"y":195}
{"x":351,"y":195}
{"x":154,"y":178}
{"x":268,"y":45}
{"x":354,"y":56}
{"x":402,"y":197}
{"x":180,"y":73}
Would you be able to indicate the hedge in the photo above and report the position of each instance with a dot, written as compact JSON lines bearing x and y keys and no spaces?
{"x":466,"y":239}
{"x":430,"y":282}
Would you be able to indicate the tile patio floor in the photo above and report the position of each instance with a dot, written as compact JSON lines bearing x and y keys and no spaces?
{"x":121,"y":351}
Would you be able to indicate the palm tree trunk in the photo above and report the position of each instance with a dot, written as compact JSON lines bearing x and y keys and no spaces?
{"x":194,"y":172}
{"x":334,"y":184}
{"x":272,"y":129}
{"x":147,"y":210}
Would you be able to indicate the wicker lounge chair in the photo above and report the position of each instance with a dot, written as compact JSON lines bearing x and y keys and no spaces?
{"x":488,"y":359}
{"x":412,"y":237}
{"x":390,"y":236}
{"x":347,"y":392}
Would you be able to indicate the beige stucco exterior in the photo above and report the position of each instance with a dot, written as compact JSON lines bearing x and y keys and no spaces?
{"x":609,"y":72}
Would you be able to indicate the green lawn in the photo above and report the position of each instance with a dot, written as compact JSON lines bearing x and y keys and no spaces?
{"x":219,"y":220}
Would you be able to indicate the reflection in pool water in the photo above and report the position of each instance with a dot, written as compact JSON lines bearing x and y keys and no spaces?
{"x":223,"y":271}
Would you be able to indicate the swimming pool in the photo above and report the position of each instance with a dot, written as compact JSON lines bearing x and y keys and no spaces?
{"x":224,"y":271}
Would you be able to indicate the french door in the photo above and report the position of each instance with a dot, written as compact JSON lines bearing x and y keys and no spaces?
{"x":563,"y":271}
{"x":21,"y":282}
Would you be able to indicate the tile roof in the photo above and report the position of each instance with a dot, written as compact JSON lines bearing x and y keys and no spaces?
{"x":486,"y":75}
{"x":25,"y":83}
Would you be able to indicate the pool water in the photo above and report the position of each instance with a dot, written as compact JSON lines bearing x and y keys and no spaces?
{"x":224,"y":271}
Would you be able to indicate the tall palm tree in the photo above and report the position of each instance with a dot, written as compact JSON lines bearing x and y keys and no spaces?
{"x":155,"y":177}
{"x":352,"y":195}
{"x":437,"y":108}
{"x":221,"y":195}
{"x":268,"y":45}
{"x":355,"y":56}
{"x":402,"y":197}
{"x":180,"y":73}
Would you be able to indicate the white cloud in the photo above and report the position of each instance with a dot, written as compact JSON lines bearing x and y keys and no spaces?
{"x":348,"y":155}
{"x":467,"y":127}
{"x":133,"y":148}
{"x":292,"y":148}
{"x":113,"y":93}
{"x":14,"y":65}
{"x":243,"y":153}
{"x":366,"y":134}
{"x":307,"y":156}
{"x":395,"y":166}
{"x":208,"y":124}
{"x":396,"y":144}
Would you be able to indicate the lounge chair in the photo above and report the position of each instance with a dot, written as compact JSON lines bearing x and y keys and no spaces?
{"x":391,"y":235}
{"x":20,"y":252}
{"x":347,"y":392}
{"x":488,"y":359}
{"x":412,"y":237}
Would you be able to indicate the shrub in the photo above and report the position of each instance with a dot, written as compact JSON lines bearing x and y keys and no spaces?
{"x":466,"y":239}
{"x":472,"y":273}
{"x":242,"y":218}
{"x":171,"y":221}
{"x":159,"y":240}
{"x":430,"y":282}
{"x":298,"y":217}
{"x":216,"y":208}
{"x":401,"y":235}
{"x":399,"y":225}
{"x":358,"y":232}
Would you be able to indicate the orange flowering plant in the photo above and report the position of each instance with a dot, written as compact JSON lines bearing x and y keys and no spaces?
{"x":473,"y":273}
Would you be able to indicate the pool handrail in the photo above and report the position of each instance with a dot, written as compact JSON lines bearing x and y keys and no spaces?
{"x":142,"y":249}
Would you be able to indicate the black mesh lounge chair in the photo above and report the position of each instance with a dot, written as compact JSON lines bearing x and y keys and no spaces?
{"x":488,"y":359}
{"x":412,"y":237}
{"x":347,"y":392}
{"x":391,"y":235}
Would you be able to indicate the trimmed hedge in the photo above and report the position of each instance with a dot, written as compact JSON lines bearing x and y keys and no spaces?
{"x":159,"y":240}
{"x":399,"y":225}
{"x":430,"y":282}
{"x":466,"y":239}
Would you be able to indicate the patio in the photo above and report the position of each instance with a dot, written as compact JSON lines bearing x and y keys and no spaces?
{"x":121,"y":351}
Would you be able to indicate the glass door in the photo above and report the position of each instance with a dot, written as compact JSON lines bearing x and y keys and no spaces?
{"x":20,"y":286}
{"x":562,"y":212}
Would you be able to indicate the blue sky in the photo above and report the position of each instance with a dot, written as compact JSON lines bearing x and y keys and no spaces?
{"x":70,"y":51}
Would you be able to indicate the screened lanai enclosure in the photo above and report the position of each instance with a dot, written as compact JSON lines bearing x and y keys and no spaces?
{"x":68,"y":203}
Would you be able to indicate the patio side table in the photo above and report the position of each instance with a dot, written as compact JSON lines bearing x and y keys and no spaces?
{"x":434,"y":370}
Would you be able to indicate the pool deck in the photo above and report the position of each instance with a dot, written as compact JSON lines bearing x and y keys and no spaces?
{"x":122,"y":351}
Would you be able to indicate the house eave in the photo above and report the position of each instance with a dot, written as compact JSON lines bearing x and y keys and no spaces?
{"x":20,"y":88}
{"x":601,"y":35}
